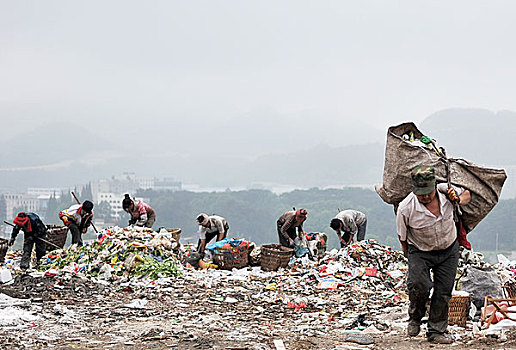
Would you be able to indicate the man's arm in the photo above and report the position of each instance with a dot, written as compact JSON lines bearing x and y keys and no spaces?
{"x":404,"y":247}
{"x":401,"y":228}
{"x":283,"y":230}
{"x":14,"y":233}
{"x":465,"y":197}
{"x":351,"y":235}
{"x":340,"y":237}
{"x":202,"y":246}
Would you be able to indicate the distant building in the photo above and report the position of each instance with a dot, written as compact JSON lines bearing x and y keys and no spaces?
{"x":130,"y":183}
{"x":21,"y":201}
{"x":114,"y":200}
{"x":45,"y":193}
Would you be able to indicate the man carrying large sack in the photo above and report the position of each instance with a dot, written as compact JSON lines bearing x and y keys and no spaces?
{"x":428,"y":237}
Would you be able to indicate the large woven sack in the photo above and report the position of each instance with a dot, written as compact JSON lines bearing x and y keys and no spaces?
{"x":401,"y":156}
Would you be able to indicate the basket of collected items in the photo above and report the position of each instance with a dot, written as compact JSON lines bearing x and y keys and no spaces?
{"x":230,"y":253}
{"x":458,"y":310}
{"x":274,"y":256}
{"x":56,"y":234}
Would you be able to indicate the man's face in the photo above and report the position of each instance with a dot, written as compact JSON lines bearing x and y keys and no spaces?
{"x":426,"y":198}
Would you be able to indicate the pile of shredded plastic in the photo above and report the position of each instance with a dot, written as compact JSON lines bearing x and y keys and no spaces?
{"x":120,"y":253}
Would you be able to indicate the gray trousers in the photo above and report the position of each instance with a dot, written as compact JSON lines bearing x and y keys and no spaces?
{"x":361,"y":231}
{"x":443,"y":264}
{"x":76,"y":234}
{"x":28,"y":243}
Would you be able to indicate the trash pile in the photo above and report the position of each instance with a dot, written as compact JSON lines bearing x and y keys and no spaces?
{"x":356,"y":294}
{"x":120,"y":253}
{"x":367,"y":265}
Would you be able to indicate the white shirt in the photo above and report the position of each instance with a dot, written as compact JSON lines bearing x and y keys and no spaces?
{"x":217,"y":224}
{"x":420,"y":228}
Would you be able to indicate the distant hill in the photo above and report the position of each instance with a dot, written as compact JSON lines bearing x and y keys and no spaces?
{"x":51,"y":144}
{"x":478,"y":135}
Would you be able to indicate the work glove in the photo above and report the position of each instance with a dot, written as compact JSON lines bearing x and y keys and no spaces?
{"x":452,"y":196}
{"x":11,"y":242}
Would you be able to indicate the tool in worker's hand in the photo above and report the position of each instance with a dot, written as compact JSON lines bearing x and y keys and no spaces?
{"x":78,"y":202}
{"x":9,"y":223}
{"x":41,"y":239}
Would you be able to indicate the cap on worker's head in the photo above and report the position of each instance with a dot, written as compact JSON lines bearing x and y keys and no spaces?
{"x":126,"y":202}
{"x":21,"y":219}
{"x":423,"y":180}
{"x":202,"y":219}
{"x":87,"y":206}
{"x":301,"y":212}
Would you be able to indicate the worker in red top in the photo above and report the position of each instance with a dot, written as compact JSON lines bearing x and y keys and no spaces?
{"x":141,"y":213}
{"x":33,"y":229}
{"x":77,"y":218}
{"x":287,"y":224}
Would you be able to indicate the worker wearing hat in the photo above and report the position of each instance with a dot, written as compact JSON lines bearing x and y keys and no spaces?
{"x":209,"y":228}
{"x":33,"y":229}
{"x":287,"y":224}
{"x":428,"y":237}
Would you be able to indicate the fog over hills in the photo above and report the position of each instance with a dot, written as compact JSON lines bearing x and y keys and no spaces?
{"x":479,"y":135}
{"x":61,"y":155}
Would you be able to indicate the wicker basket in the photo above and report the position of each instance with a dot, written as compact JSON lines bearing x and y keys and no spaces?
{"x":57,"y":235}
{"x":458,"y":310}
{"x":175,"y":232}
{"x":274,"y":256}
{"x":510,"y":290}
{"x":229,"y":258}
{"x":3,"y":249}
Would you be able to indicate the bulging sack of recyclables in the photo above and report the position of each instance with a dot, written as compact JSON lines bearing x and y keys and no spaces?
{"x":401,"y":156}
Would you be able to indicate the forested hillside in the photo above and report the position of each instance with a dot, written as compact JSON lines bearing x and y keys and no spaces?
{"x":253,"y":214}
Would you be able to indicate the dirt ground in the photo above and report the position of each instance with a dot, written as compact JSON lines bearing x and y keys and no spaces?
{"x":78,"y":314}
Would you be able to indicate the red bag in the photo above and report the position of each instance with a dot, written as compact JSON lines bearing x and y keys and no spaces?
{"x":462,"y":235}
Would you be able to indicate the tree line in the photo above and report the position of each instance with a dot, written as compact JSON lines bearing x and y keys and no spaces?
{"x":252,"y":214}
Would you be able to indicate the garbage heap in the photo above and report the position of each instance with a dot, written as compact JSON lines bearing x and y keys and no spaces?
{"x":367,"y":265}
{"x":120,"y":254}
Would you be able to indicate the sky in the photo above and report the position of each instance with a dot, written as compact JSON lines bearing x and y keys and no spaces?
{"x":194,"y":70}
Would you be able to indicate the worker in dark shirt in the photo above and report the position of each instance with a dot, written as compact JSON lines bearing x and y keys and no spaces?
{"x":287,"y":224}
{"x":33,"y":229}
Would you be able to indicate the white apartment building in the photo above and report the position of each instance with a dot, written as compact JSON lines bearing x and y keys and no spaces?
{"x":44,"y":193}
{"x":16,"y":201}
{"x":115,"y":200}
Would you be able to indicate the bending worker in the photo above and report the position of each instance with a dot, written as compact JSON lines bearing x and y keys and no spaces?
{"x":209,"y":228}
{"x":141,"y":213}
{"x":428,"y":237}
{"x":351,"y":223}
{"x":33,"y":229}
{"x":287,"y":224}
{"x":78,"y":218}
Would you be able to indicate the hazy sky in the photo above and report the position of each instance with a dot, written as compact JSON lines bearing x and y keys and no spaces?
{"x":151,"y":68}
